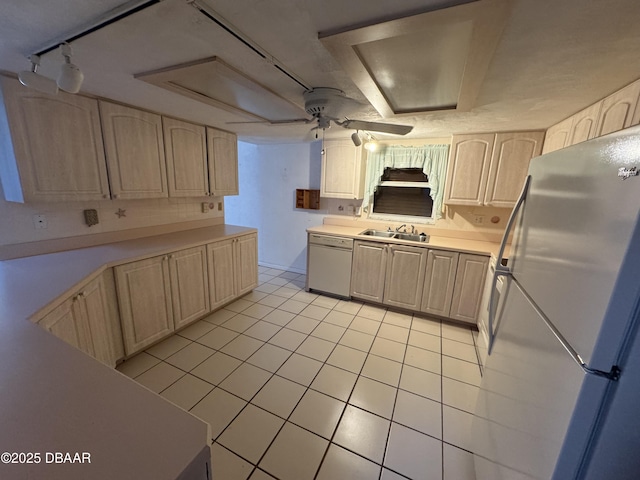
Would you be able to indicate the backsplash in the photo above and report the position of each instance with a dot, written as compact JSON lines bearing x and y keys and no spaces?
{"x":66,"y":219}
{"x":454,"y":217}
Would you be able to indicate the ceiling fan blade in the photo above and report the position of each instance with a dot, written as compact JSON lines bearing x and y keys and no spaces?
{"x":275,"y":122}
{"x":377,"y":127}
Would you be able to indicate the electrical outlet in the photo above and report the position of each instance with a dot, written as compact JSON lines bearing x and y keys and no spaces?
{"x":219,"y":206}
{"x":478,"y":219}
{"x":40,"y":222}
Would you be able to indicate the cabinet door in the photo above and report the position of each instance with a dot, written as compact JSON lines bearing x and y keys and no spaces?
{"x":57,"y":152}
{"x":67,"y":323}
{"x":100,"y":309}
{"x":468,"y":287}
{"x":221,"y":267}
{"x":439,"y":282}
{"x":223,"y":162}
{"x":512,"y":153}
{"x":189,"y":285}
{"x":342,"y":170}
{"x":468,"y":169}
{"x":557,"y":137}
{"x":144,"y":293}
{"x":246,"y":258}
{"x":405,"y":276}
{"x":618,"y":109}
{"x":584,"y":124}
{"x":368,"y":270}
{"x":134,"y":146}
{"x":185,"y":147}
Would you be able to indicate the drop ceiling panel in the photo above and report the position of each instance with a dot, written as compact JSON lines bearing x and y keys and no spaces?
{"x":420,"y":71}
{"x":217,"y":83}
{"x":451,"y":48}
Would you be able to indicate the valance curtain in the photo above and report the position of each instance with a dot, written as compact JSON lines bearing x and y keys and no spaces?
{"x":432,"y":159}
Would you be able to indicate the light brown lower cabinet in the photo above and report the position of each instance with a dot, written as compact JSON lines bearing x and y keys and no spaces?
{"x":468,"y":288}
{"x":89,"y":320}
{"x":146,"y":307}
{"x":439,"y":282}
{"x":368,"y":270}
{"x":405,"y":277}
{"x":189,"y":285}
{"x":233,"y":268}
{"x":444,"y":283}
{"x":161,"y":294}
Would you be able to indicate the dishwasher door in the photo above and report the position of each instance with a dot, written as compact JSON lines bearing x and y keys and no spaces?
{"x":329,"y":269}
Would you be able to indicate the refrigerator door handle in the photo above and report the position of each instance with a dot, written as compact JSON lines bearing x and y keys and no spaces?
{"x":500,"y":269}
{"x":613,"y":374}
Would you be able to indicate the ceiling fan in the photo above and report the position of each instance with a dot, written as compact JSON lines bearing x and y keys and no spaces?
{"x":330,"y":105}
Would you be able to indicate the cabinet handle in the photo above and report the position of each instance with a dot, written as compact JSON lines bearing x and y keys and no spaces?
{"x":171,"y":257}
{"x":115,"y":195}
{"x":165,"y":258}
{"x":105,"y":196}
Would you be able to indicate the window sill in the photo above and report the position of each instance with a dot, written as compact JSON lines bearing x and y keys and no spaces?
{"x":401,"y":219}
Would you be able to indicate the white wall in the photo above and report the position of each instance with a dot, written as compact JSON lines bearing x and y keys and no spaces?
{"x":66,"y":219}
{"x":269,"y":176}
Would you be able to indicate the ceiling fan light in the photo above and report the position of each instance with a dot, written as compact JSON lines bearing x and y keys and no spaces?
{"x":32,"y":79}
{"x":355,"y":138}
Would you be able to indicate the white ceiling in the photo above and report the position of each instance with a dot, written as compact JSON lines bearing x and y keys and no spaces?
{"x":554,"y":57}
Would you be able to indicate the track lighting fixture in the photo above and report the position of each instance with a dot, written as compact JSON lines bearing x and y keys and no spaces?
{"x":70,"y":77}
{"x":32,"y":79}
{"x":355,"y":138}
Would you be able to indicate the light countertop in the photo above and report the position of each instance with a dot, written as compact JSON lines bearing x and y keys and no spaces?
{"x":443,"y":243}
{"x":29,"y":285}
{"x":57,"y":399}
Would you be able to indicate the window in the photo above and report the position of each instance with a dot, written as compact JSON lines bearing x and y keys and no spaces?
{"x":422,"y":168}
{"x":405,"y":192}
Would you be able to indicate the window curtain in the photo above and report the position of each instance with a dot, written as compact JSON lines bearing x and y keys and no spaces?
{"x":432,"y":159}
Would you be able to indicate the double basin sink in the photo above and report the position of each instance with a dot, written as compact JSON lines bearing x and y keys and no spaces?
{"x":411,"y":237}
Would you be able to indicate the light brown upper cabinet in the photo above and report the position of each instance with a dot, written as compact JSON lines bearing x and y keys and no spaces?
{"x":468,"y":169}
{"x":185,"y":146}
{"x":343,"y":170}
{"x":618,"y":109}
{"x":52,"y":148}
{"x":584,"y":124}
{"x":222,"y":148}
{"x":134,"y":146}
{"x":489,"y":169}
{"x":557,"y":137}
{"x":512,"y":153}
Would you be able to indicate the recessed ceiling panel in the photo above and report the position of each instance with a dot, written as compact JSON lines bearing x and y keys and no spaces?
{"x":215,"y":82}
{"x":421,"y":71}
{"x":428,"y":62}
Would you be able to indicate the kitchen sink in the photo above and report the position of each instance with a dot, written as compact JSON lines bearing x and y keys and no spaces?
{"x":411,"y":237}
{"x":378,"y":233}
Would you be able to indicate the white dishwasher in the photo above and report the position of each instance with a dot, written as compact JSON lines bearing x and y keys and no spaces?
{"x":329,"y":264}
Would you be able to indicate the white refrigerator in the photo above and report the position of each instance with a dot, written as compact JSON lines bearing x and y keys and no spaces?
{"x":560,"y":393}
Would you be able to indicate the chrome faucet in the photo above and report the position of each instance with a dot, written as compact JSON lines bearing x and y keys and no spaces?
{"x":403,"y":225}
{"x":413,"y":230}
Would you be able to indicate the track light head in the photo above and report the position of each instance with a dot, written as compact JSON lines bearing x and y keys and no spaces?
{"x":32,"y":79}
{"x":71,"y":77}
{"x":355,"y":138}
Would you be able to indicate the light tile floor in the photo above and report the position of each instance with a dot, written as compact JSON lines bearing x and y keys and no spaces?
{"x":300,"y":386}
